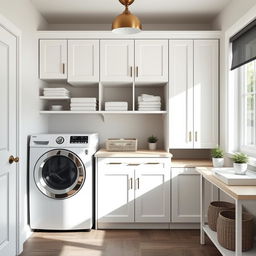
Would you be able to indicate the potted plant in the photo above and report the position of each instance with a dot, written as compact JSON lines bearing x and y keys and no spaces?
{"x":240,"y":163}
{"x":217,"y":157}
{"x":152,"y":140}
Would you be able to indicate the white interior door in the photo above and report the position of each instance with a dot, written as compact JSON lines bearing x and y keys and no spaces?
{"x":8,"y":61}
{"x":181,"y":94}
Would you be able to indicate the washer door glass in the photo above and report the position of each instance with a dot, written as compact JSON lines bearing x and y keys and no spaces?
{"x":59,"y":174}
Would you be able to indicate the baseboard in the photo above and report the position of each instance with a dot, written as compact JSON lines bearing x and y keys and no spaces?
{"x":24,"y":236}
{"x":107,"y":225}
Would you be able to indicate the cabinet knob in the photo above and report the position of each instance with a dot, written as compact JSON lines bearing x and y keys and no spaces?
{"x":13,"y":159}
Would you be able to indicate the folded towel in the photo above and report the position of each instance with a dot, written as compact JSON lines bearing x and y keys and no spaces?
{"x":116,"y":104}
{"x":56,"y":94}
{"x":116,"y":108}
{"x":56,"y":89}
{"x":149,"y":109}
{"x":85,"y":104}
{"x":149,"y":103}
{"x":83,"y":108}
{"x":154,"y":99}
{"x":83,"y":100}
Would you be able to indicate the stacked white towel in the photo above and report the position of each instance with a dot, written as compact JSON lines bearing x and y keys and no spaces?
{"x":83,"y":104}
{"x":56,"y":92}
{"x":148,"y":102}
{"x":116,"y":106}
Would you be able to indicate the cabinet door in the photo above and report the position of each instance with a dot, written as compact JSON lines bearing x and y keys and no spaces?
{"x":181,"y":94}
{"x":186,"y":195}
{"x":115,"y":193}
{"x":117,"y":60}
{"x":206,"y":80}
{"x":53,"y":59}
{"x":151,"y":61}
{"x":83,"y":61}
{"x":152,"y":192}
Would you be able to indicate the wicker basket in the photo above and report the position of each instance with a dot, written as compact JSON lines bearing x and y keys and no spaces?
{"x":214,"y":209}
{"x":226,"y":230}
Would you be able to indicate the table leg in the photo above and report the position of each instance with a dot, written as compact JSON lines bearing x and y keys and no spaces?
{"x":202,"y":207}
{"x":238,"y":228}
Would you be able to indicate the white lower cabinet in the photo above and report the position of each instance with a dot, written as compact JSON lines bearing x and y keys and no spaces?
{"x":186,"y":195}
{"x":133,"y":190}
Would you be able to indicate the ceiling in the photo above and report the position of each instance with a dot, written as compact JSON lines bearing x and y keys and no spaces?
{"x":149,"y":11}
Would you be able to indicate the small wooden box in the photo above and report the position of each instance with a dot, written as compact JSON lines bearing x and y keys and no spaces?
{"x":116,"y":145}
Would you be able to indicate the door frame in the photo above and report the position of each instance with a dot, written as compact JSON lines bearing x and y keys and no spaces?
{"x":11,"y":28}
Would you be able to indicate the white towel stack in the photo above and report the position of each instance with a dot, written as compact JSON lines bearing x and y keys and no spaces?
{"x":148,"y":102}
{"x":83,"y":104}
{"x":56,"y":92}
{"x":116,"y":106}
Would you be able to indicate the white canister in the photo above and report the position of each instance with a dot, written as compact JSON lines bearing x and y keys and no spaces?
{"x":217,"y":162}
{"x":240,"y":169}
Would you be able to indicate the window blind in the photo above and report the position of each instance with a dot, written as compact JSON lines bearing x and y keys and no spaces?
{"x":244,"y":46}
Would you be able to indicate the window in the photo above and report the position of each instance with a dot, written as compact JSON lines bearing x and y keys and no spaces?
{"x":247,"y":95}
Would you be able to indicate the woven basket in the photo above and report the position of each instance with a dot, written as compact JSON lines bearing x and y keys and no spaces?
{"x":226,"y":230}
{"x":214,"y":209}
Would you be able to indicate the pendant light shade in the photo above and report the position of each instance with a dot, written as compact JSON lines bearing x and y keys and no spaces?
{"x":126,"y":23}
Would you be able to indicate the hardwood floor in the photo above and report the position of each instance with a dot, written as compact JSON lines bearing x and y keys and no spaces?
{"x":119,"y":243}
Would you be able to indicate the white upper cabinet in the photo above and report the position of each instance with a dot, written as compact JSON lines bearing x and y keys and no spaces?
{"x":83,"y":61}
{"x":53,"y":59}
{"x":206,"y":80}
{"x":117,"y":60}
{"x":194,"y":80}
{"x":151,"y":61}
{"x":152,"y":192}
{"x":181,"y":93}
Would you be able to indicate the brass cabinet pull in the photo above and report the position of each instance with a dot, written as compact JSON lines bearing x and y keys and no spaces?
{"x":63,"y":68}
{"x":13,"y":159}
{"x":131,"y":71}
{"x":138,"y":183}
{"x":190,"y":136}
{"x":131,"y":183}
{"x":137,"y":71}
{"x":115,"y":163}
{"x":196,"y":136}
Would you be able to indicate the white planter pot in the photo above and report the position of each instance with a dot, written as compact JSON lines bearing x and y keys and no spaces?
{"x":217,"y":162}
{"x":152,"y":146}
{"x":240,"y":169}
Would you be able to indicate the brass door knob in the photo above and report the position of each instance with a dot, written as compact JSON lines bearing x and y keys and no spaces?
{"x":13,"y":159}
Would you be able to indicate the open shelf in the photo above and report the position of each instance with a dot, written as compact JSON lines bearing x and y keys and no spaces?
{"x":101,"y":112}
{"x":213,"y":236}
{"x":54,"y":98}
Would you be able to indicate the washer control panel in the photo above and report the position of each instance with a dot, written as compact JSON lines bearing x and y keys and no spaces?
{"x":78,"y":139}
{"x":60,"y":140}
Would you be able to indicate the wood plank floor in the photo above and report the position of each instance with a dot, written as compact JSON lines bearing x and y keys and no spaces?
{"x":119,"y":243}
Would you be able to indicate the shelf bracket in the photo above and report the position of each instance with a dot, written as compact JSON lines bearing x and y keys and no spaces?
{"x":102,"y":117}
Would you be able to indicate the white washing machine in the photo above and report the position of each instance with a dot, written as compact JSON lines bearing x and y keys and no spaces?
{"x":61,"y":181}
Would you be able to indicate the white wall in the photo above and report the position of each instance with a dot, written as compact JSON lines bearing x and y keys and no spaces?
{"x":232,"y":12}
{"x":185,"y":26}
{"x":233,"y":18}
{"x":25,"y":17}
{"x":114,"y":126}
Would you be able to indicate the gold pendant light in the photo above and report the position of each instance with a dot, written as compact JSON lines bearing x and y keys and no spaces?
{"x":126,"y":23}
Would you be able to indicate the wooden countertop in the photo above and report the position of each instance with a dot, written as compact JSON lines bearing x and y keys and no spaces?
{"x":138,"y":153}
{"x":238,"y":192}
{"x":190,"y":163}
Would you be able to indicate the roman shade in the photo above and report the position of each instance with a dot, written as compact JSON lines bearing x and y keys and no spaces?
{"x":244,"y":46}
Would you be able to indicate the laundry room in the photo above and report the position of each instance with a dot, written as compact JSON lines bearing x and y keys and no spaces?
{"x":127,"y":127}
